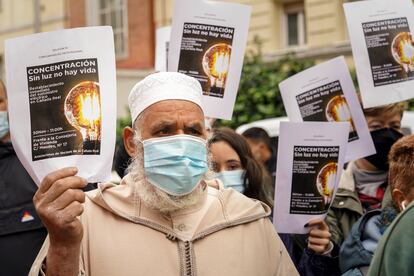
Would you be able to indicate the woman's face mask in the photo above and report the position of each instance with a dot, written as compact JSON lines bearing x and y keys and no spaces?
{"x":231,"y":179}
{"x":175,"y":164}
{"x":383,"y":140}
{"x":4,"y":124}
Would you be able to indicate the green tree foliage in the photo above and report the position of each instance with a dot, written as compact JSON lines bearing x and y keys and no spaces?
{"x":120,"y":124}
{"x":411,"y":105}
{"x":259,"y":96}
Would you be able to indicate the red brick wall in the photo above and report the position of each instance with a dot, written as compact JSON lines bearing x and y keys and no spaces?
{"x":76,"y":13}
{"x":141,"y":37}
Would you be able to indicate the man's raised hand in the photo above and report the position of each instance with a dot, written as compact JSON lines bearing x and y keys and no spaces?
{"x":59,"y":201}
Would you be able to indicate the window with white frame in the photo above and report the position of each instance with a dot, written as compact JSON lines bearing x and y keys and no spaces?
{"x":114,"y":13}
{"x":294,"y":25}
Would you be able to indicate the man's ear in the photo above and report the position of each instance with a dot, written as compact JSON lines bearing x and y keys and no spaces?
{"x":129,"y":141}
{"x":398,"y":198}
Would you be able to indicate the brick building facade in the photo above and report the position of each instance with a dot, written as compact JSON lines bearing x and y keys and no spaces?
{"x":139,"y":38}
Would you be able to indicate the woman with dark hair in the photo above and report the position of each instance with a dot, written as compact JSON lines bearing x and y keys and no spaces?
{"x":234,"y":164}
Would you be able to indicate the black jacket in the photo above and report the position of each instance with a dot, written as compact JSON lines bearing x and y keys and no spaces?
{"x":21,"y":230}
{"x":307,"y":262}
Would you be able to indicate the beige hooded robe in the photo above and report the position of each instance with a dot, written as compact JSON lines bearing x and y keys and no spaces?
{"x":231,"y":236}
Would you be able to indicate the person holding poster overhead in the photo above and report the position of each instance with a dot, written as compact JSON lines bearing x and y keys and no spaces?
{"x":364,"y":184}
{"x":164,"y":218}
{"x":310,"y":159}
{"x":234,"y":165}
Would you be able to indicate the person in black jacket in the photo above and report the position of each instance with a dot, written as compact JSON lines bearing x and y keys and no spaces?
{"x":21,"y":230}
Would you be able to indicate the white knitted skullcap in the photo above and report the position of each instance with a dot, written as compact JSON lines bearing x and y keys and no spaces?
{"x":163,"y":86}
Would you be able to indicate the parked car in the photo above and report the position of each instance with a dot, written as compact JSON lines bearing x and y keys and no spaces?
{"x":271,"y":126}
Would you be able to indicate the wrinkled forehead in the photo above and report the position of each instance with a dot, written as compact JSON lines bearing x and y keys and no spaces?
{"x":173,"y":111}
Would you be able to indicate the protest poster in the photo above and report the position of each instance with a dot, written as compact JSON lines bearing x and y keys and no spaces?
{"x":62,"y":101}
{"x":162,"y":42}
{"x":326,"y":93}
{"x":383,"y":49}
{"x":208,"y":41}
{"x":309,"y":165}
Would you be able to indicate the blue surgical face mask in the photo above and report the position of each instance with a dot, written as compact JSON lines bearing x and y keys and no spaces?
{"x":231,"y":179}
{"x":175,"y":164}
{"x":4,"y":124}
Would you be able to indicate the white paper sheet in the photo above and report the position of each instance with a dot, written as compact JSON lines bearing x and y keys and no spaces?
{"x":326,"y":93}
{"x":208,"y":41}
{"x":383,"y":49}
{"x":62,"y":101}
{"x":162,"y":42}
{"x":309,"y":164}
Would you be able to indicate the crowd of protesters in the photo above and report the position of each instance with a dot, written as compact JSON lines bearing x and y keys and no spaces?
{"x":216,"y":217}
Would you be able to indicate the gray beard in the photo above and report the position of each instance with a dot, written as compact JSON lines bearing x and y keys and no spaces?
{"x":155,"y":198}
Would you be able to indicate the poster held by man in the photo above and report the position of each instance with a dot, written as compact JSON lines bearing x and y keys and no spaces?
{"x":62,"y":101}
{"x":208,"y":41}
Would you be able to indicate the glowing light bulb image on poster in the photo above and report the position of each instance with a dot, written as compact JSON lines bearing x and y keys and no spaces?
{"x":68,"y":101}
{"x":325,"y":181}
{"x":326,"y":103}
{"x":216,"y":63}
{"x":390,"y":51}
{"x":314,"y":176}
{"x":403,"y":51}
{"x":337,"y":110}
{"x":205,"y":54}
{"x":83,"y":111}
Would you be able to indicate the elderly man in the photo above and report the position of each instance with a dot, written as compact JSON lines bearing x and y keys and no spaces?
{"x":164,"y":218}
